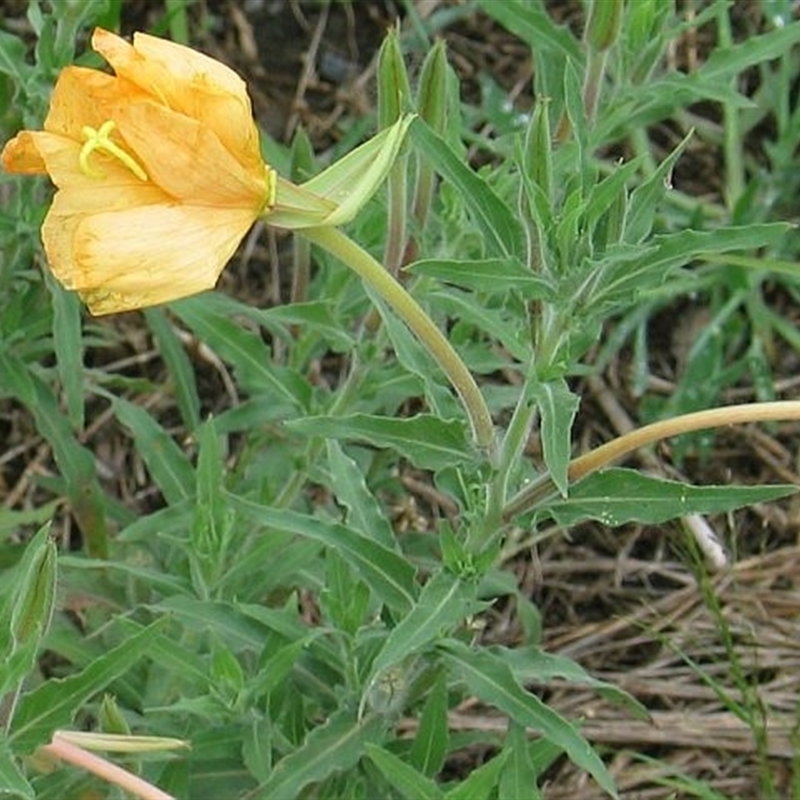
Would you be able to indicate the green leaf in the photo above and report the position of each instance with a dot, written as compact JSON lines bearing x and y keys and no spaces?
{"x":490,"y":275}
{"x":178,"y":364}
{"x":12,"y":781}
{"x":11,"y":519}
{"x":433,"y":734}
{"x":211,"y":317}
{"x":443,"y":604}
{"x":490,"y":679}
{"x":481,"y":782}
{"x":646,"y":197}
{"x":557,"y":407}
{"x":627,"y":274}
{"x":519,"y":777}
{"x":68,"y":345}
{"x":389,"y":575}
{"x":351,"y":491}
{"x":531,"y":23}
{"x":211,"y":533}
{"x":616,"y":496}
{"x":679,"y":248}
{"x":74,"y":461}
{"x":418,"y":361}
{"x":405,"y":779}
{"x":509,"y":330}
{"x":333,"y":747}
{"x":240,"y":627}
{"x":534,"y":665}
{"x":166,"y":462}
{"x":318,"y":316}
{"x":725,"y":63}
{"x":501,"y":228}
{"x":55,"y":703}
{"x":257,"y":744}
{"x":13,"y":58}
{"x":425,"y":440}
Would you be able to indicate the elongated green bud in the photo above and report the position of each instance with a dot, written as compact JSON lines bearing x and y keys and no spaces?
{"x":302,"y":165}
{"x":394,"y":89}
{"x":603,"y":25}
{"x":432,"y":93}
{"x":539,"y":148}
{"x":33,"y":606}
{"x":110,"y":717}
{"x":432,"y":107}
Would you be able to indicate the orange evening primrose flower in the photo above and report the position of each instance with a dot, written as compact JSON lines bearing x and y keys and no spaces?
{"x":158,"y":169}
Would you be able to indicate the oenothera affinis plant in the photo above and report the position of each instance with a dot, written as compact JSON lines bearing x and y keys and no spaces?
{"x":159,"y":175}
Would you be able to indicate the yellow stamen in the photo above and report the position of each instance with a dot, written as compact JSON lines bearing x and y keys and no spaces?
{"x":100,"y":139}
{"x":272,"y":186}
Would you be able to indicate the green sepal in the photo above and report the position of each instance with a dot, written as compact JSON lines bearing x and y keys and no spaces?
{"x":335,"y":196}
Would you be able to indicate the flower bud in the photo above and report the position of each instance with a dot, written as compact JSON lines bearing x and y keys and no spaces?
{"x":603,"y":25}
{"x":432,"y":95}
{"x":394,"y":89}
{"x":32,"y":609}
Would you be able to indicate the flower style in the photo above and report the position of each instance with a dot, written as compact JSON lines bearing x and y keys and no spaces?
{"x":158,"y":169}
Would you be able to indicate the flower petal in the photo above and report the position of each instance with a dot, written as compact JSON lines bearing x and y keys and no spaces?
{"x":189,"y":83}
{"x":21,"y":155}
{"x":115,"y":267}
{"x":86,"y":97}
{"x":117,"y":188}
{"x":187,"y":159}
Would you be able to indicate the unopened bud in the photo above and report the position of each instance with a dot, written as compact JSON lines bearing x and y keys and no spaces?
{"x":603,"y":25}
{"x":394,"y":89}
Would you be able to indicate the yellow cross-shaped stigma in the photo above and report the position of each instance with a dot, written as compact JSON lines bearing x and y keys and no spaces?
{"x":100,"y":139}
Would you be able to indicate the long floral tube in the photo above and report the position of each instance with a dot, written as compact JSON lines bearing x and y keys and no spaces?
{"x":77,"y":756}
{"x":601,"y":456}
{"x":337,"y":244}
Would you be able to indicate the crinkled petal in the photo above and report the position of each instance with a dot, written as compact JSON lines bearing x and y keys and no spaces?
{"x":21,"y":155}
{"x":139,"y":257}
{"x":117,"y":188}
{"x":87,"y":97}
{"x":187,"y":82}
{"x":187,"y":159}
